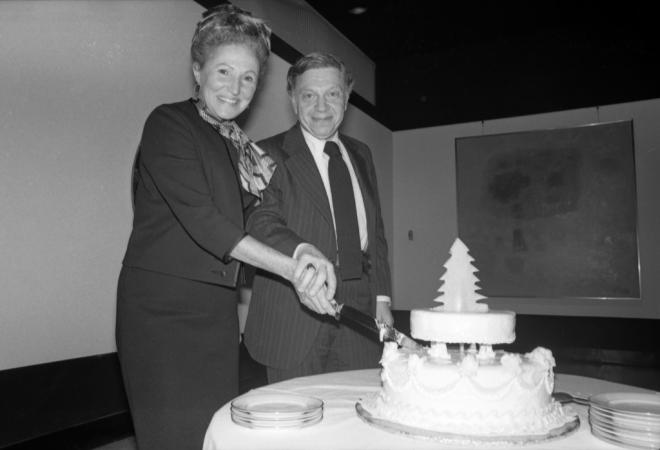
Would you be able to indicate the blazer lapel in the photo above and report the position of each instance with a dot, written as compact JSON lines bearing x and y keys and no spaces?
{"x":302,"y":166}
{"x":222,"y":157}
{"x":366,"y":184}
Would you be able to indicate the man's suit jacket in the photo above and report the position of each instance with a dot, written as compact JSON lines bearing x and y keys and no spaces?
{"x":188,"y":209}
{"x":295,"y":209}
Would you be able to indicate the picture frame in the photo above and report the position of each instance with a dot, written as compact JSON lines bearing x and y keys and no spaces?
{"x":551,"y":213}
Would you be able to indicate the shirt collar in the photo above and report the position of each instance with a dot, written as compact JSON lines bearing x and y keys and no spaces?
{"x":315,"y":144}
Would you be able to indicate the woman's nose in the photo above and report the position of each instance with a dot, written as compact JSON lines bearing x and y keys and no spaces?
{"x":235,"y":85}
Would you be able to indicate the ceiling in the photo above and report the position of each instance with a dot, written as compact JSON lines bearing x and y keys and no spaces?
{"x":397,"y":27}
{"x":439,"y":62}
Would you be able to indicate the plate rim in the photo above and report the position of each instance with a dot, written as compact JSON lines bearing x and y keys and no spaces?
{"x":603,"y":401}
{"x":624,"y":421}
{"x":274,"y":418}
{"x":276,"y":425}
{"x":618,"y":442}
{"x":626,"y":434}
{"x":625,"y":437}
{"x":625,"y":415}
{"x":313,"y":403}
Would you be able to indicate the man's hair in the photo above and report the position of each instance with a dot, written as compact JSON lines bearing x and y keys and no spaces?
{"x":318,"y":60}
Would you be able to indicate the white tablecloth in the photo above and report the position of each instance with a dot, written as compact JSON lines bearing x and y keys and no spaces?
{"x":342,"y":429}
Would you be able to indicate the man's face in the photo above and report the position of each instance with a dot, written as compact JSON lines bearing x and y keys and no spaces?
{"x":319,"y":100}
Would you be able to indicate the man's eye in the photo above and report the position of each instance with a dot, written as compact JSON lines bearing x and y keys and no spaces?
{"x":223,"y":72}
{"x":250,"y":78}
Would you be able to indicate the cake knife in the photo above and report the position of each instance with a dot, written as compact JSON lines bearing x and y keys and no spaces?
{"x":385,"y":332}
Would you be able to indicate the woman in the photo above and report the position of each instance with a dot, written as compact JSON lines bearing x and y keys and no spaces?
{"x":177,"y":326}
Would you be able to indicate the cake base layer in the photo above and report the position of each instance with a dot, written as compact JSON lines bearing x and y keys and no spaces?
{"x":364,"y":406}
{"x":492,"y":327}
{"x":496,"y":394}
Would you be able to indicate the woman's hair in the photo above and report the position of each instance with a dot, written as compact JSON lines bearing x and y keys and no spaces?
{"x":318,"y":60}
{"x":228,"y":24}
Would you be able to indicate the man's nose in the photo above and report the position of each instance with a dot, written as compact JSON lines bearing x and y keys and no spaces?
{"x":321,"y":104}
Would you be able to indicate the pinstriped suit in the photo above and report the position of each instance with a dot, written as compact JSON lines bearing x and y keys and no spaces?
{"x":295,"y":209}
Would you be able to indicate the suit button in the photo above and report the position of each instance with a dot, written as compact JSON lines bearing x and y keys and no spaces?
{"x":223,"y":273}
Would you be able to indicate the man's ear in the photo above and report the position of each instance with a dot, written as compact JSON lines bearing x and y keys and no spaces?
{"x":294,"y":105}
{"x":196,"y":71}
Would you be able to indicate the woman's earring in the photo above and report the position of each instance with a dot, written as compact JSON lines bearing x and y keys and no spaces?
{"x":196,"y":94}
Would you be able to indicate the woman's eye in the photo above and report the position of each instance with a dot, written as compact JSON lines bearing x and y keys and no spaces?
{"x":250,"y":78}
{"x":223,"y":72}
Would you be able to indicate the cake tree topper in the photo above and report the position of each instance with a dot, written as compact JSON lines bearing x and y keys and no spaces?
{"x":459,"y":283}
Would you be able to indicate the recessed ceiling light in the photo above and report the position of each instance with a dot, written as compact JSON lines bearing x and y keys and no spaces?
{"x":358,"y":10}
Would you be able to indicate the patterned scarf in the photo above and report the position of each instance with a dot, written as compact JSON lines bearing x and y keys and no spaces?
{"x":255,"y":166}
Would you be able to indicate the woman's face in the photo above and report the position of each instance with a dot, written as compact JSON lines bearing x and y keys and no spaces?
{"x":228,"y":79}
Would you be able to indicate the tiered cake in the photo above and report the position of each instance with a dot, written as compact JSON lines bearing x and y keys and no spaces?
{"x":470,"y":390}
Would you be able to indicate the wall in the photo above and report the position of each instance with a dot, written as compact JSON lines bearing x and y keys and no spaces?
{"x":425,"y":202}
{"x":78,"y":80}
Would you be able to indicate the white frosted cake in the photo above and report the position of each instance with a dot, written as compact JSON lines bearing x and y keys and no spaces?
{"x":470,"y":390}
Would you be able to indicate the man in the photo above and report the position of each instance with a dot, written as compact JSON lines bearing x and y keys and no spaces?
{"x":322,"y":193}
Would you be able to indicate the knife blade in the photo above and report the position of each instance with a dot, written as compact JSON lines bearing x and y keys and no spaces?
{"x":357,"y":317}
{"x":386,"y":333}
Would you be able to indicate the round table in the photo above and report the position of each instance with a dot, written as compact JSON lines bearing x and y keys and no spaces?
{"x":341,"y":428}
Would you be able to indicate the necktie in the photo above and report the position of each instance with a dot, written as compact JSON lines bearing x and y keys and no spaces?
{"x":343,"y":201}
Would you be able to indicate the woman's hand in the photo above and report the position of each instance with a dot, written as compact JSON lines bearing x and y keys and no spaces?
{"x":309,"y":270}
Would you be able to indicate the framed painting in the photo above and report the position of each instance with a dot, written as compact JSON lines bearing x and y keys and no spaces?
{"x":551,"y":213}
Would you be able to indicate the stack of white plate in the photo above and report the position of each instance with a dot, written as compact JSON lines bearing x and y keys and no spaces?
{"x":626,"y":419}
{"x":272,"y":411}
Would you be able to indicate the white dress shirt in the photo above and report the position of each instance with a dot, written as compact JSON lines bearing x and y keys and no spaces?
{"x":322,"y":160}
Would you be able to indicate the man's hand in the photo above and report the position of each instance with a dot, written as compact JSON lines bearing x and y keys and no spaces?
{"x":314,"y":279}
{"x":383,"y":313}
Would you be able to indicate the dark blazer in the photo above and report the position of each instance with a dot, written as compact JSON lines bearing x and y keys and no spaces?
{"x":188,"y":204}
{"x":295,"y":209}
